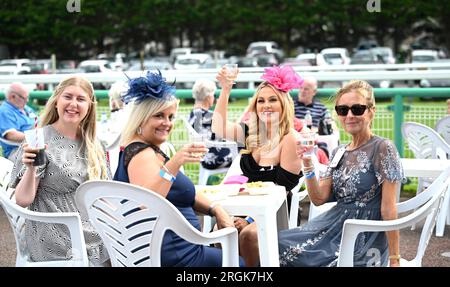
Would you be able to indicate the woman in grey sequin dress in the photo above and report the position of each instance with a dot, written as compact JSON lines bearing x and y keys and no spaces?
{"x":74,"y":155}
{"x":364,"y":183}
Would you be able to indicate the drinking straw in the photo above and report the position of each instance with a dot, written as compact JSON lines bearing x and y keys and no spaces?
{"x":35,"y":128}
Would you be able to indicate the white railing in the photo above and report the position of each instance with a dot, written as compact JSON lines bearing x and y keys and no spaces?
{"x":252,"y":75}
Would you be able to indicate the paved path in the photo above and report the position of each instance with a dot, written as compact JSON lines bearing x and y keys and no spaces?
{"x":408,"y":244}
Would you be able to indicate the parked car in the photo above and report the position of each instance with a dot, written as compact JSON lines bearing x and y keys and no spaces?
{"x":265,"y":47}
{"x":150,"y":64}
{"x":175,"y":52}
{"x":336,"y":56}
{"x":191,"y":61}
{"x":14,"y":62}
{"x":313,"y":59}
{"x":266,"y":60}
{"x":95,"y":66}
{"x":424,"y":56}
{"x":386,"y":53}
{"x":427,"y":83}
{"x":11,"y":70}
{"x":367,"y":57}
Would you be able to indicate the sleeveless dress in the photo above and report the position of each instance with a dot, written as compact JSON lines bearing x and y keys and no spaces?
{"x":356,"y":187}
{"x":176,"y":252}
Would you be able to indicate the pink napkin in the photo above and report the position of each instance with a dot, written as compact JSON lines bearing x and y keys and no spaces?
{"x":236,"y":179}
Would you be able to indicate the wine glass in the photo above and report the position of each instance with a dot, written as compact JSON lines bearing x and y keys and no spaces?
{"x":232,"y":71}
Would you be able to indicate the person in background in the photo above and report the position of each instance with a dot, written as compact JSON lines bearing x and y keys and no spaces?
{"x":115,"y":96}
{"x":143,"y":163}
{"x":201,"y":118}
{"x":306,"y":102}
{"x":73,"y":156}
{"x":363,"y":177}
{"x":15,"y":117}
{"x":268,"y":137}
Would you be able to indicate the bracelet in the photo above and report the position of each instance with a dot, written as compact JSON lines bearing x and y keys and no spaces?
{"x":310,"y":175}
{"x":167,"y":176}
{"x":210,"y":209}
{"x":249,"y":219}
{"x":167,"y":170}
{"x":394,"y":257}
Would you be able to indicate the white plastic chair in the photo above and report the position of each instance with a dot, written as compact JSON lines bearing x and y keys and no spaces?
{"x":443,"y":128}
{"x":427,"y":143}
{"x":19,"y":217}
{"x":132,"y":221}
{"x":6,"y":167}
{"x":425,"y":205}
{"x":205,"y":173}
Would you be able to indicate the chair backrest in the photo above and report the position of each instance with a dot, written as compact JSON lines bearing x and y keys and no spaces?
{"x":425,"y":205}
{"x":443,"y":128}
{"x":113,"y":150}
{"x":424,"y":141}
{"x":6,"y":167}
{"x":132,"y":221}
{"x":19,"y":217}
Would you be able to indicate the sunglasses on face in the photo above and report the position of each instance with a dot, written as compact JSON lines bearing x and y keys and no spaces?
{"x":357,"y":110}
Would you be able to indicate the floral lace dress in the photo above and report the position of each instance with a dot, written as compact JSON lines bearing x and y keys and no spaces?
{"x":356,"y":187}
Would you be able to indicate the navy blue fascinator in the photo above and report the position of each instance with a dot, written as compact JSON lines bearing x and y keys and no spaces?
{"x":150,"y":86}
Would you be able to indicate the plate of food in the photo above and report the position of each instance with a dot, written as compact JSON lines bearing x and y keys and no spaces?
{"x":218,"y":192}
{"x":258,"y":187}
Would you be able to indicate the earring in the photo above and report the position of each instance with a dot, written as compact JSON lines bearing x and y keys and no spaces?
{"x":139,"y":130}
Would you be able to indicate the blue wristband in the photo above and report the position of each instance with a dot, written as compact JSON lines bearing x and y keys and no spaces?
{"x":310,"y":175}
{"x":249,"y":219}
{"x":166,"y":176}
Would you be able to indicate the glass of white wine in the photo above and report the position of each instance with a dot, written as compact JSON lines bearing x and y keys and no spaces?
{"x":232,"y":71}
{"x":308,"y":140}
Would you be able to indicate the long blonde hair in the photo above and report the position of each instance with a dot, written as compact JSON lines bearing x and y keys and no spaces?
{"x":96,"y":160}
{"x":140,"y":113}
{"x":257,"y":128}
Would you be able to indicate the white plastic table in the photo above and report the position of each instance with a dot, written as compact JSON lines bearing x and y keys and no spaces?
{"x":269,"y":212}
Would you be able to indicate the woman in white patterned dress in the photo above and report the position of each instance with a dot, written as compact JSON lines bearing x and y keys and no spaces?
{"x":364,"y":182}
{"x":73,"y":155}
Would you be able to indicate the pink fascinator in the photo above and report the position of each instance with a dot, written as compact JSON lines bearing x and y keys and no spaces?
{"x":284,"y":78}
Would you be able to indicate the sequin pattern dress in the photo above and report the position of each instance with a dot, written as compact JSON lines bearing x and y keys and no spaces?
{"x":356,"y":187}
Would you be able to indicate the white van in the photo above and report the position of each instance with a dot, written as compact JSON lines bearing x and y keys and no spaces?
{"x":423,"y":56}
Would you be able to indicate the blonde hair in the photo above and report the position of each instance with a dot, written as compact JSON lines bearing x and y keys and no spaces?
{"x":96,"y":159}
{"x":140,"y":113}
{"x":257,"y":128}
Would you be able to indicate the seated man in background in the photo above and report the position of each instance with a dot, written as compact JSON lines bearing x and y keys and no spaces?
{"x":305,"y":102}
{"x":15,"y":117}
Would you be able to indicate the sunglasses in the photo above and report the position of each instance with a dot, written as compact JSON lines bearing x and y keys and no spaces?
{"x":357,"y":110}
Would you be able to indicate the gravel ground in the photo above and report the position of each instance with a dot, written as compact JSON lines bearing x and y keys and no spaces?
{"x":408,"y":244}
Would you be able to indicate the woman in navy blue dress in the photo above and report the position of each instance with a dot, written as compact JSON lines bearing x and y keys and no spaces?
{"x":143,"y":163}
{"x":363,"y":177}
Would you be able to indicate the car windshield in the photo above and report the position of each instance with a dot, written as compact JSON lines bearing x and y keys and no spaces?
{"x":189,"y":61}
{"x":332,"y":56}
{"x":423,"y":58}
